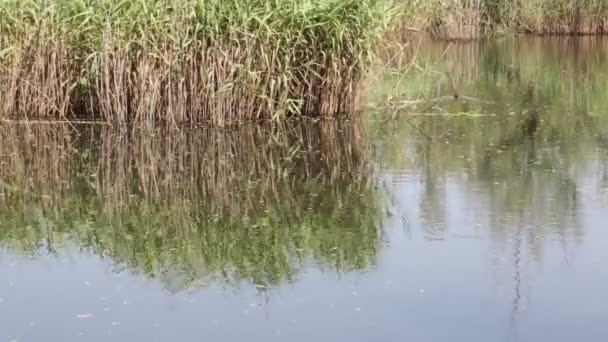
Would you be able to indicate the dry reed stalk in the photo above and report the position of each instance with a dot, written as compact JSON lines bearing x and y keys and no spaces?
{"x":472,"y":19}
{"x":175,"y":88}
{"x":458,"y":20}
{"x":36,"y":83}
{"x":214,"y":62}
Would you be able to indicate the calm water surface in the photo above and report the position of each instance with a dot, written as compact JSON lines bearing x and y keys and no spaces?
{"x":482,"y":220}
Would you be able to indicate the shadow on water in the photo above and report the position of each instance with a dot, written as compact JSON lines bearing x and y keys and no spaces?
{"x":251,"y":204}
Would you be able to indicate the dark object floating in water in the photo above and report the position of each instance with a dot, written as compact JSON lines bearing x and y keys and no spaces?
{"x":453,"y":97}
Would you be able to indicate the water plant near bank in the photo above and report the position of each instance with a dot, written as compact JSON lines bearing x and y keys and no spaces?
{"x":193,"y":61}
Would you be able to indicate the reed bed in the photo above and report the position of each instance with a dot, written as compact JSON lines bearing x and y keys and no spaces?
{"x":473,"y":19}
{"x":175,"y":61}
{"x":445,"y":19}
{"x":557,"y":17}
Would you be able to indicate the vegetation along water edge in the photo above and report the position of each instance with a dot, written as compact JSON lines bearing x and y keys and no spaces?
{"x":218,"y":62}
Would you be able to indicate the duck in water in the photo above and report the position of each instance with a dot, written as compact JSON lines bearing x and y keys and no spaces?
{"x":454,"y":97}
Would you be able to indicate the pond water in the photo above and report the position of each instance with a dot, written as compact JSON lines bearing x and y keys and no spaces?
{"x":481,"y":218}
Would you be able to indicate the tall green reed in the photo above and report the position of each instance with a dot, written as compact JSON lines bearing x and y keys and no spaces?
{"x":191,"y":61}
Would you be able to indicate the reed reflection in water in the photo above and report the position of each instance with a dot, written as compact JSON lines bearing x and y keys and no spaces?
{"x":524,"y":141}
{"x":249,"y":204}
{"x":515,"y":169}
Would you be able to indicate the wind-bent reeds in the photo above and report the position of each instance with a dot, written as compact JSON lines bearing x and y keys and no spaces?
{"x":193,"y":61}
{"x":250,"y":204}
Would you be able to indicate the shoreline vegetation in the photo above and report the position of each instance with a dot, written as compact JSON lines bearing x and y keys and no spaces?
{"x":220,"y":62}
{"x":185,"y":61}
{"x":474,"y":19}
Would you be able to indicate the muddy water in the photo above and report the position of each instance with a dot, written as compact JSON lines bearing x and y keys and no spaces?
{"x":481,"y":218}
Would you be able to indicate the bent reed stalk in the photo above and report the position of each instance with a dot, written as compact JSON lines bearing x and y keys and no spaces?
{"x":176,"y":61}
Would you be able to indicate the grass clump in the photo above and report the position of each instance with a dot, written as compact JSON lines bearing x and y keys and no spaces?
{"x":192,"y":61}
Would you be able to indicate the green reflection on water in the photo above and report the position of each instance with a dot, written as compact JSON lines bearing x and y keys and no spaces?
{"x":533,"y":136}
{"x":252,"y":204}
